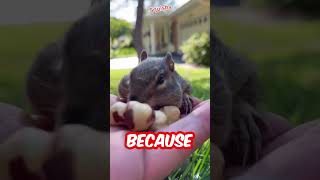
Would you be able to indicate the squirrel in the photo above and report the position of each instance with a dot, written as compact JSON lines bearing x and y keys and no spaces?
{"x":155,"y":82}
{"x":66,"y":83}
{"x":43,"y":86}
{"x":237,"y":127}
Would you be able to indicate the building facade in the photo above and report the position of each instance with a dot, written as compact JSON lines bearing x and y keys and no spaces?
{"x":167,"y":32}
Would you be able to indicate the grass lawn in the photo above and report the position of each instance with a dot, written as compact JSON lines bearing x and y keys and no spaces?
{"x":288,"y":58}
{"x":198,"y":166}
{"x":122,"y":52}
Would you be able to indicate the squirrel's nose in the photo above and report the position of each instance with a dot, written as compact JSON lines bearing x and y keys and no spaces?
{"x":133,"y":98}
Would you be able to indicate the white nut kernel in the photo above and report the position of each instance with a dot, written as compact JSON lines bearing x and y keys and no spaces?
{"x":142,"y":115}
{"x":119,"y":108}
{"x":160,"y":121}
{"x":172,"y":113}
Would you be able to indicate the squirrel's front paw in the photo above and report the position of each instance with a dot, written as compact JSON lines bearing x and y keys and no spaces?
{"x":187,"y":104}
{"x":250,"y":139}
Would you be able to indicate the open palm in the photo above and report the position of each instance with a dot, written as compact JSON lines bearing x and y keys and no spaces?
{"x":156,"y":164}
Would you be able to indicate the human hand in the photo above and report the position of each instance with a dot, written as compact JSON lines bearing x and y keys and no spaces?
{"x":157,"y":164}
{"x":80,"y":151}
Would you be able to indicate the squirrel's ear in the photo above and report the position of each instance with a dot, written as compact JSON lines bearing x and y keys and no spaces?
{"x":143,"y":55}
{"x":169,"y":61}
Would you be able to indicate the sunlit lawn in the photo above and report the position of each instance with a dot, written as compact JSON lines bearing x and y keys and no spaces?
{"x":288,"y":58}
{"x":198,"y":166}
{"x":122,"y":52}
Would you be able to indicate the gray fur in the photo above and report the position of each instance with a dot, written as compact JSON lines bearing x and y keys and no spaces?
{"x":237,"y":126}
{"x":143,"y":86}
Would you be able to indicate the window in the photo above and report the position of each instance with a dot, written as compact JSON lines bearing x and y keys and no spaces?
{"x":205,"y":19}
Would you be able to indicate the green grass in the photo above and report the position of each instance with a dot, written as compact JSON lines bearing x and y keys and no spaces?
{"x":123,"y":52}
{"x":18,"y":47}
{"x":288,"y":58}
{"x":198,"y":166}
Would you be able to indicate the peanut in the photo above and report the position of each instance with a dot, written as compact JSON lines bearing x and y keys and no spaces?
{"x":172,"y":113}
{"x":134,"y":116}
{"x":137,"y":116}
{"x":160,"y":121}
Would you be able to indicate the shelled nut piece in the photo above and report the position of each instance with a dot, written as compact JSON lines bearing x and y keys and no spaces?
{"x":134,"y":116}
{"x":160,"y":122}
{"x":22,"y":150}
{"x":73,"y":152}
{"x":137,"y":116}
{"x":166,"y":116}
{"x":172,"y":113}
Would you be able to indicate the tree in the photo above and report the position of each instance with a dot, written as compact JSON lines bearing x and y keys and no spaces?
{"x":137,"y":32}
{"x":119,"y":27}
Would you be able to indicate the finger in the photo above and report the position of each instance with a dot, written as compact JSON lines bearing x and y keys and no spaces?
{"x":12,"y":118}
{"x":195,"y":101}
{"x":287,"y":160}
{"x":113,"y":99}
{"x":116,"y":129}
{"x":85,"y":151}
{"x":200,"y":103}
{"x":166,"y":160}
{"x":197,"y":121}
{"x":24,"y":153}
{"x":288,"y":135}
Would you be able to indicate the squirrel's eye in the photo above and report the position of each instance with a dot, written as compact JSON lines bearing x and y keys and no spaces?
{"x":160,"y":79}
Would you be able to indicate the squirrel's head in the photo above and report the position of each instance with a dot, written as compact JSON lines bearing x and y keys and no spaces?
{"x":154,"y":82}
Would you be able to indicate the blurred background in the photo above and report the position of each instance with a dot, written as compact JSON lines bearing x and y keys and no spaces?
{"x":173,"y":29}
{"x":177,"y":26}
{"x":283,"y":38}
{"x":25,"y":28}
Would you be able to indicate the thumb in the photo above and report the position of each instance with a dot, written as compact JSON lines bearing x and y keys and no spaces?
{"x":113,"y":99}
{"x":167,"y":160}
{"x":198,"y":121}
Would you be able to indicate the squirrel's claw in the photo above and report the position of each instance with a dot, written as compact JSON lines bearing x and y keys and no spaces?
{"x":249,"y":138}
{"x":187,"y":102}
